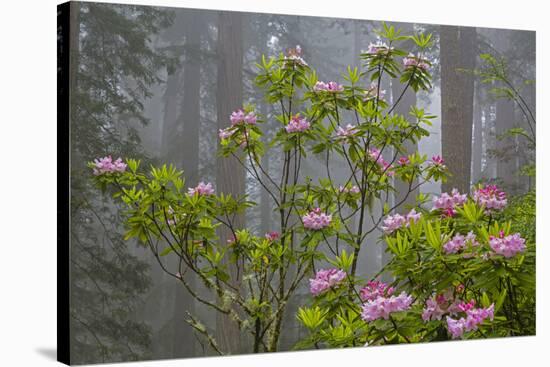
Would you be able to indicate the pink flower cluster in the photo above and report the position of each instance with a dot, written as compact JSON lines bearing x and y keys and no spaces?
{"x":201,"y":189}
{"x":346,"y":132}
{"x":272,"y":236}
{"x":106,"y":165}
{"x":447,"y":202}
{"x":491,"y":197}
{"x":372,"y":90}
{"x":376,"y":155}
{"x":316,"y":219}
{"x":326,"y":279}
{"x":351,"y":190}
{"x":507,"y":246}
{"x":440,"y":305}
{"x":297,"y":124}
{"x":332,"y":87}
{"x":403,"y":161}
{"x":438,"y":161}
{"x":239,"y":117}
{"x":382,"y":307}
{"x":226,"y":133}
{"x":378,"y":47}
{"x":432,"y":310}
{"x":474,"y":317}
{"x":294,"y":55}
{"x":375,"y":289}
{"x":415,"y":61}
{"x":460,"y":242}
{"x":396,"y":221}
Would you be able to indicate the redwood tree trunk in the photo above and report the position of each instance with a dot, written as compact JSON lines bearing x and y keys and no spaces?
{"x":229,"y":174}
{"x":457,"y":51}
{"x":188,"y":158}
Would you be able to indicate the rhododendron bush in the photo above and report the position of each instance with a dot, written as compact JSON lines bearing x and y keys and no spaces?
{"x":458,"y":269}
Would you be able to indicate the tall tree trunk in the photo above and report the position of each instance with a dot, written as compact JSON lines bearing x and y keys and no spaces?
{"x":188,"y":158}
{"x":171,"y":110}
{"x":457,"y":51}
{"x":477,"y":143}
{"x":230,"y":177}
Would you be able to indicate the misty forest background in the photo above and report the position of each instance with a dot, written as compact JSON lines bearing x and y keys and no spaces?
{"x":157,"y":83}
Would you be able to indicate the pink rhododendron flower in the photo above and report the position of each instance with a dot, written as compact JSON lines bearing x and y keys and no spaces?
{"x":415,"y":61}
{"x":467,"y":306}
{"x":396,"y":221}
{"x":372,"y":90}
{"x":226,"y":133}
{"x":443,"y":303}
{"x":460,"y":242}
{"x":446,"y":201}
{"x":471,"y":238}
{"x":413,"y":215}
{"x":294,"y":55}
{"x":382,"y":307}
{"x":332,"y":87}
{"x":507,"y":246}
{"x":449,"y":212}
{"x":326,"y":279}
{"x":438,"y":161}
{"x":297,"y":124}
{"x":455,"y":327}
{"x":378,"y":48}
{"x":393,"y":222}
{"x":376,"y":155}
{"x":201,"y":189}
{"x":474,"y":317}
{"x":432,"y":310}
{"x":455,"y":245}
{"x":375,"y":289}
{"x":316,"y":219}
{"x":351,"y":190}
{"x":272,"y":236}
{"x":403,"y":161}
{"x":239,"y":117}
{"x":346,"y":132}
{"x":491,"y":197}
{"x":106,"y":165}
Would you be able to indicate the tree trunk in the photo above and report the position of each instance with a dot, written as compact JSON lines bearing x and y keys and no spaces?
{"x":457,"y":51}
{"x":188,"y":158}
{"x":477,"y":143}
{"x":229,"y":174}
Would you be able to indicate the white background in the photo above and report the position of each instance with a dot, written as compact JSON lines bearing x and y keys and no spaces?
{"x":28,"y":182}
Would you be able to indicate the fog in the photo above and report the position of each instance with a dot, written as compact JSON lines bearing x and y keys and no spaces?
{"x":147,"y":83}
